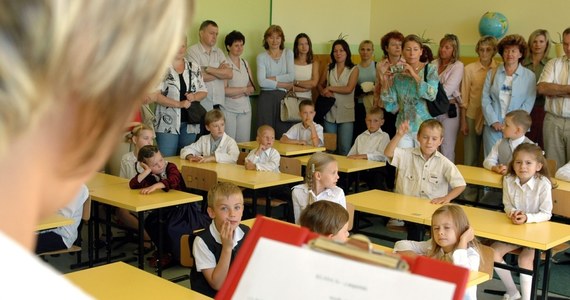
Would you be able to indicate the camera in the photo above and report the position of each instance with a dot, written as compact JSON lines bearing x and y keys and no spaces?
{"x":398,"y":68}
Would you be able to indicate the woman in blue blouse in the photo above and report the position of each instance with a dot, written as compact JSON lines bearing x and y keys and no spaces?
{"x":275,"y":74}
{"x":512,"y":87}
{"x":405,"y":91}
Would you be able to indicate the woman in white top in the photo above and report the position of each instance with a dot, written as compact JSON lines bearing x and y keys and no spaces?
{"x":306,"y":69}
{"x":237,"y":108}
{"x":450,"y":71}
{"x":339,"y":82}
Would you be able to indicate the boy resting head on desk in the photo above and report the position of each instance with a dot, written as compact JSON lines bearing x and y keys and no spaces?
{"x":307,"y":132}
{"x":215,"y":248}
{"x":326,"y":218}
{"x":264,"y":157}
{"x":517,"y":123}
{"x":214,"y":147}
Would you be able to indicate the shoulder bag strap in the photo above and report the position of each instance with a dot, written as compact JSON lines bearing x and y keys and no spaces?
{"x":248,"y":75}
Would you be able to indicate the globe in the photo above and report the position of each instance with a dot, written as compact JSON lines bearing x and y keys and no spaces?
{"x":493,"y":24}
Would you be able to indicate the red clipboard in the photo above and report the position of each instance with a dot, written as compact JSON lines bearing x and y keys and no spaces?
{"x":296,"y":235}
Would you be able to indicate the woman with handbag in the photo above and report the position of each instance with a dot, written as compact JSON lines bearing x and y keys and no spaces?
{"x":339,"y":83}
{"x":275,"y":74}
{"x":511,"y":87}
{"x":306,"y":68}
{"x":405,"y":89}
{"x":237,"y":108}
{"x":450,"y":71}
{"x":182,"y":87}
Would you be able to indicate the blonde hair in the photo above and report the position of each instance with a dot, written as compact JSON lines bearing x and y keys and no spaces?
{"x":461,"y":223}
{"x":136,"y":131}
{"x":533,"y":36}
{"x":264,"y":128}
{"x":59,"y":56}
{"x":222,"y":190}
{"x":316,"y":163}
{"x":324,"y":217}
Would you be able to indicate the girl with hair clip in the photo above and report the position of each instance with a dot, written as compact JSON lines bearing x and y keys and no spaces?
{"x":140,"y":136}
{"x":320,"y":184}
{"x":453,"y":240}
{"x":527,"y":196}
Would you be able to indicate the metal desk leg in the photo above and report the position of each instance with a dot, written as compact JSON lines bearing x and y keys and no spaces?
{"x":546,"y":274}
{"x":141,"y":240}
{"x":535,"y":275}
{"x":254,"y":202}
{"x":160,"y":238}
{"x":357,"y":182}
{"x":90,"y":240}
{"x":96,"y":224}
{"x":108,"y":232}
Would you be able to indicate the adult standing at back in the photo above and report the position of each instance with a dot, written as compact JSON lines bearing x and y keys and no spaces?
{"x":474,"y":76}
{"x":450,"y":72}
{"x":554,"y":84}
{"x":405,"y":91}
{"x":237,"y":108}
{"x":339,"y":81}
{"x":306,"y":68}
{"x":182,"y":85}
{"x":510,"y":88}
{"x":366,"y":73}
{"x":275,"y":74}
{"x":213,"y":64}
{"x":535,"y":60}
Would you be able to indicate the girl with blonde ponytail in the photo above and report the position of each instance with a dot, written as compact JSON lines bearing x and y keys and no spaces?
{"x":320,"y":184}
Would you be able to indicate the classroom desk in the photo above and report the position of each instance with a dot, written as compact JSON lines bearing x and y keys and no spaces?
{"x":120,"y":195}
{"x":122,"y":281}
{"x":488,"y":224}
{"x":481,"y":176}
{"x":284,"y":149}
{"x":53,"y":221}
{"x":347,"y":165}
{"x":475,"y":277}
{"x":102,"y":179}
{"x":396,"y":206}
{"x":238,"y":175}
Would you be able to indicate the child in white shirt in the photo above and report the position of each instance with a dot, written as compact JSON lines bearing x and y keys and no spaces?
{"x":320,"y":184}
{"x":527,"y":198}
{"x":264,"y":157}
{"x":371,"y":145}
{"x":214,"y":147}
{"x":307,"y":132}
{"x":564,"y":172}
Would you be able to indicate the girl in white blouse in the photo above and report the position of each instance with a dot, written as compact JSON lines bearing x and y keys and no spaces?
{"x":528,"y":199}
{"x":453,"y":240}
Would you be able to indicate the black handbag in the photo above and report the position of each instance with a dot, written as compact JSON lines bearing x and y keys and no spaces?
{"x":440,"y":105}
{"x":195,"y":112}
{"x":322,"y":106}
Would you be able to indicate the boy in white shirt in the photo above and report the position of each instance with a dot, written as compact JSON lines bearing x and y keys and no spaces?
{"x":307,"y":132}
{"x":214,"y":147}
{"x":371,"y":145}
{"x":516,"y":124}
{"x":424,"y":172}
{"x":264,"y":157}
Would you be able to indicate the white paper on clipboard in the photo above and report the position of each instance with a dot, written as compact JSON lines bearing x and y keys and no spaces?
{"x":281,"y":271}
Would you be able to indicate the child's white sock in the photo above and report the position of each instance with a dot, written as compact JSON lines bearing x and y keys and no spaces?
{"x":526,"y":284}
{"x":507,"y":280}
